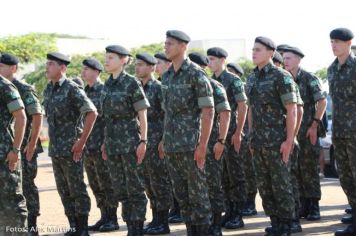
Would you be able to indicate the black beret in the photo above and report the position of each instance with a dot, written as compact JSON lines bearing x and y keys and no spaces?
{"x":94,"y":64}
{"x":217,"y":52}
{"x":59,"y":57}
{"x":120,"y":50}
{"x":146,"y":57}
{"x":162,"y":56}
{"x":277,"y":57}
{"x":9,"y":59}
{"x":199,"y":58}
{"x":79,"y":82}
{"x":295,"y":51}
{"x":266,"y":41}
{"x":281,"y":47}
{"x":342,"y":34}
{"x":236,"y":67}
{"x":179,"y":35}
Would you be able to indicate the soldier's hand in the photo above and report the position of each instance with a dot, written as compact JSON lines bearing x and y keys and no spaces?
{"x":199,"y":155}
{"x":312,"y":134}
{"x":236,"y":141}
{"x":285,"y":150}
{"x":161,"y":150}
{"x":77,"y":150}
{"x":12,"y":159}
{"x":218,"y":150}
{"x":29,"y":150}
{"x":103,"y":152}
{"x":140,"y":152}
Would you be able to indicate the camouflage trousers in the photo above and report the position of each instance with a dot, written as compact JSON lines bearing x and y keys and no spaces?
{"x":273,"y":182}
{"x":157,"y":183}
{"x":69,"y":178}
{"x":345,"y":155}
{"x":127,"y":179}
{"x":30,"y":190}
{"x":189,"y":187}
{"x":13,"y":211}
{"x":308,"y":175}
{"x":234,"y":181}
{"x":294,"y":170}
{"x":99,"y":180}
{"x":249,"y":168}
{"x":214,"y":171}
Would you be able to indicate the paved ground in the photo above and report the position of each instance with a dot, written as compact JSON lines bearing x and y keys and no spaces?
{"x":53,"y":221}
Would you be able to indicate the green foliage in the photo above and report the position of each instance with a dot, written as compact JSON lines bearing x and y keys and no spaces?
{"x":30,"y":47}
{"x":247,"y":66}
{"x":322,"y":73}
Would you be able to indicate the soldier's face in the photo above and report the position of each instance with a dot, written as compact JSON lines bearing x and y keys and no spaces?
{"x":290,"y":61}
{"x":162,"y":66}
{"x":215,"y":63}
{"x":142,"y":69}
{"x":88,"y":73}
{"x":53,"y":70}
{"x":113,"y":62}
{"x":173,"y":48}
{"x":260,"y":54}
{"x":340,"y":47}
{"x":7,"y":70}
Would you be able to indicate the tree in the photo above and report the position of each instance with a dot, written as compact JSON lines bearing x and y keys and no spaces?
{"x":247,"y":66}
{"x":322,"y":73}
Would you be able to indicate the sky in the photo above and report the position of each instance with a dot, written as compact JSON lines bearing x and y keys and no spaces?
{"x":131,"y":23}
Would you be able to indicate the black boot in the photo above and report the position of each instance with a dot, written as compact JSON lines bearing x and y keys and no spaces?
{"x":72,"y":226}
{"x":347,"y":219}
{"x":201,"y":230}
{"x":161,"y":226}
{"x":227,"y":216}
{"x":250,"y":208}
{"x":101,"y":221}
{"x":304,"y":207}
{"x":190,"y":229}
{"x":130,"y":228}
{"x":295,"y":226}
{"x":32,"y":225}
{"x":351,"y":229}
{"x":284,"y":227}
{"x":174,"y":215}
{"x":152,"y":223}
{"x":111,"y":223}
{"x":348,"y":210}
{"x":236,"y":218}
{"x":82,"y":226}
{"x":272,"y":230}
{"x":314,"y":211}
{"x":137,"y":228}
{"x":215,"y":227}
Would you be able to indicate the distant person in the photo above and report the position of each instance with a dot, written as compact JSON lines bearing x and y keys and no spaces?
{"x":235,"y":69}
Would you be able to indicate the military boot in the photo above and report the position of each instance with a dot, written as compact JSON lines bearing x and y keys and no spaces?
{"x":137,"y":228}
{"x":130,"y":228}
{"x":347,"y":219}
{"x":152,"y":223}
{"x":272,"y":230}
{"x":32,"y":225}
{"x":314,"y":211}
{"x":72,"y":226}
{"x":82,"y":226}
{"x":351,"y":229}
{"x":250,"y":207}
{"x":304,"y":207}
{"x":111,"y":223}
{"x":103,"y":219}
{"x":348,"y":210}
{"x":235,"y":221}
{"x":227,"y":216}
{"x":161,"y":226}
{"x":174,"y":215}
{"x":295,"y":226}
{"x":215,"y":227}
{"x":201,"y":230}
{"x":284,"y":227}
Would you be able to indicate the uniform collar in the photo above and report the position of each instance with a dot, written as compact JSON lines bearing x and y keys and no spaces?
{"x":265,"y":69}
{"x":185,"y":65}
{"x":95,"y":85}
{"x":349,"y":61}
{"x":60,"y":81}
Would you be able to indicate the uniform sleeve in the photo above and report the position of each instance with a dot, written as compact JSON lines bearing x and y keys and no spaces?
{"x":316,"y":89}
{"x":238,"y":91}
{"x":220,"y":99}
{"x":203,"y":91}
{"x":12,"y":98}
{"x":32,"y":103}
{"x":139,"y":99}
{"x":80,"y":101}
{"x":286,"y":89}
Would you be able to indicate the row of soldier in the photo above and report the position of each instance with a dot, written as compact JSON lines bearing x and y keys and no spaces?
{"x":153,"y":136}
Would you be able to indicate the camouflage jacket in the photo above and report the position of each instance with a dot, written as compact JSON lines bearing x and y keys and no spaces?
{"x":32,"y":106}
{"x":268,"y":90}
{"x":185,"y":93}
{"x":96,"y":138}
{"x":235,"y":93}
{"x":10,"y":101}
{"x":64,"y":104}
{"x":121,"y":99}
{"x":310,"y":91}
{"x":155,"y":113}
{"x":342,"y":86}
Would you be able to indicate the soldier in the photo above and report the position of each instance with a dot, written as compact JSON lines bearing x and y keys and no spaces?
{"x":96,"y":168}
{"x":188,"y":106}
{"x":12,"y":205}
{"x":272,"y":122}
{"x":216,"y":147}
{"x":342,"y":81}
{"x":235,"y":69}
{"x":277,"y":59}
{"x":314,"y":99}
{"x":157,"y":184}
{"x":234,"y":182}
{"x":64,"y":102}
{"x":31,"y":145}
{"x":124,"y":107}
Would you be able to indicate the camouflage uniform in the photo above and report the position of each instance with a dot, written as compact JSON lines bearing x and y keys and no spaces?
{"x":268,"y":90}
{"x":121,"y":99}
{"x":234,"y":182}
{"x":97,"y":169}
{"x":64,"y":102}
{"x":343,"y":93}
{"x":185,"y":92}
{"x":157,"y":183}
{"x":13,"y":212}
{"x":308,"y":177}
{"x":29,"y":168}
